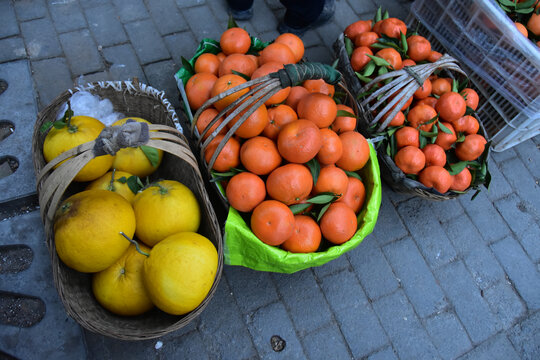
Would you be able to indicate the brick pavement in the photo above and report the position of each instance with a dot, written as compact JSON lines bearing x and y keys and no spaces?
{"x":456,"y":279}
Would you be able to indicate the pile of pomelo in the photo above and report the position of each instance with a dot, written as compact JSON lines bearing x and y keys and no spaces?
{"x":291,"y":167}
{"x":139,"y":242}
{"x":434,"y":137}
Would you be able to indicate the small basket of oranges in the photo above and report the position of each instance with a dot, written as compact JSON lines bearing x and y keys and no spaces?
{"x":301,"y":186}
{"x":417,"y":107}
{"x":116,"y":238}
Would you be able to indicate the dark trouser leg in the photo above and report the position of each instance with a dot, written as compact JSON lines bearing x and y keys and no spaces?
{"x":240,"y":5}
{"x":301,"y":13}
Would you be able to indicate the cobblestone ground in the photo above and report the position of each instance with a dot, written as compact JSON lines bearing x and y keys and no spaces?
{"x":454,"y":279}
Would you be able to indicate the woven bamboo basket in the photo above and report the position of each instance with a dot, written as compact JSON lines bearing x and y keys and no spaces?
{"x":375,"y":106}
{"x":179,"y":163}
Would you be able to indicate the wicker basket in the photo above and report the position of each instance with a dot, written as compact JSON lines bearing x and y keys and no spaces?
{"x":74,"y":288}
{"x":406,"y":81}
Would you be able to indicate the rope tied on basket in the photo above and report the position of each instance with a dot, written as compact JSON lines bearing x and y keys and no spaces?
{"x":113,"y":138}
{"x":292,"y":74}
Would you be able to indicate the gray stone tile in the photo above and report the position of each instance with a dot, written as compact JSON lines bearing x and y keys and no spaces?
{"x":30,"y":9}
{"x":499,"y":186}
{"x":66,"y":15}
{"x":483,"y":266}
{"x":366,"y":9}
{"x":344,"y":16}
{"x":181,"y":44}
{"x":523,"y":220}
{"x":189,"y":3}
{"x":269,"y":321}
{"x":87,"y":4}
{"x":81,"y":52}
{"x":326,"y":343}
{"x":311,"y":38}
{"x":448,"y":335}
{"x":416,"y":278}
{"x":40,"y":39}
{"x":146,"y":41}
{"x":505,"y":303}
{"x":373,"y":270}
{"x":99,"y":76}
{"x":320,"y":54}
{"x":329,"y":32}
{"x":525,"y":337}
{"x":469,"y":305}
{"x":167,"y":17}
{"x":385,"y":354}
{"x":242,"y":279}
{"x":427,"y":232}
{"x":520,"y":270}
{"x":160,"y":76}
{"x":105,"y":26}
{"x":352,"y":310}
{"x":485,"y":217}
{"x":8,"y":20}
{"x":401,"y":324}
{"x":446,"y":210}
{"x":131,"y":10}
{"x":498,"y":347}
{"x":301,"y":295}
{"x":51,"y":76}
{"x":503,"y":155}
{"x":521,"y":179}
{"x":333,"y":266}
{"x":263,"y":19}
{"x":528,"y":152}
{"x":123,"y":64}
{"x":396,"y":9}
{"x":389,"y":226}
{"x":464,"y":235}
{"x":12,"y":49}
{"x":203,"y":29}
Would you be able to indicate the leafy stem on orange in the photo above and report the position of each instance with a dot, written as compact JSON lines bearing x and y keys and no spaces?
{"x":134,"y":243}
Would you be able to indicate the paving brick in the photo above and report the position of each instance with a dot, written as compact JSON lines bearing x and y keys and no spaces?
{"x":389,"y":226}
{"x":485,"y":217}
{"x":333,"y":266}
{"x":262,"y":17}
{"x":242,"y":280}
{"x":40,"y":38}
{"x":131,"y":10}
{"x":520,"y":270}
{"x":223,"y":329}
{"x":189,"y":3}
{"x":67,"y":15}
{"x":344,"y":16}
{"x":427,"y":232}
{"x":385,"y":354}
{"x":520,"y":178}
{"x":123,"y":64}
{"x":146,"y":41}
{"x":503,"y":155}
{"x":463,"y":234}
{"x":528,"y":152}
{"x":88,"y":4}
{"x":365,"y":8}
{"x":499,"y":186}
{"x":395,"y":8}
{"x":12,"y":49}
{"x":187,"y":346}
{"x":310,"y":38}
{"x":52,"y":77}
{"x":160,"y":76}
{"x":483,"y":266}
{"x":8,"y":20}
{"x":497,"y":347}
{"x":505,"y":303}
{"x":30,"y":9}
{"x":329,"y":33}
{"x":445,"y":326}
{"x":105,"y":26}
{"x":269,"y":321}
{"x":446,"y":210}
{"x":302,"y":295}
{"x":320,"y":54}
{"x":181,"y":44}
{"x":401,"y":324}
{"x":81,"y":52}
{"x":416,"y":278}
{"x":166,"y":16}
{"x":525,"y":337}
{"x":202,"y":29}
{"x":99,"y":76}
{"x":354,"y":314}
{"x":523,"y":221}
{"x":373,"y":270}
{"x":469,"y":305}
{"x":326,"y":343}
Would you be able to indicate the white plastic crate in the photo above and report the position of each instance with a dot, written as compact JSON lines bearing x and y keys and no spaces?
{"x":503,"y":65}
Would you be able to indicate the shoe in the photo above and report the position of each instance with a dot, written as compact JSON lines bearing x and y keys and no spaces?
{"x":326,"y":14}
{"x":242,"y":14}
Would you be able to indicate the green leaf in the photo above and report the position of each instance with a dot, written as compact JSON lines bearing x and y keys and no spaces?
{"x":345,"y":113}
{"x":323,"y":210}
{"x":444,"y":128}
{"x":298,"y":208}
{"x":335,"y":63}
{"x":378,"y":15}
{"x":59,"y":124}
{"x":187,"y":65}
{"x":456,"y":168}
{"x":362,"y":77}
{"x":379,"y":61}
{"x":461,"y":139}
{"x":386,"y":15}
{"x":369,"y":69}
{"x":430,"y":121}
{"x":220,"y":176}
{"x":507,"y":3}
{"x":152,"y":154}
{"x":423,"y":141}
{"x":315,"y":169}
{"x":122,"y":180}
{"x":428,"y":134}
{"x":527,"y":4}
{"x":506,"y":9}
{"x":240,"y":74}
{"x":354,"y":175}
{"x":404,"y":45}
{"x":135,"y":184}
{"x":322,"y":198}
{"x":349,"y":46}
{"x":455,"y":85}
{"x":382,"y":71}
{"x":231,"y":23}
{"x":46,"y":126}
{"x":524,"y":11}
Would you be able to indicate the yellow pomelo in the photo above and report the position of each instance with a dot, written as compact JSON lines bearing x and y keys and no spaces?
{"x":165,"y":208}
{"x":120,"y":288}
{"x":82,"y":129}
{"x":87,"y":229}
{"x":180,"y":272}
{"x":104,"y":183}
{"x":134,"y":160}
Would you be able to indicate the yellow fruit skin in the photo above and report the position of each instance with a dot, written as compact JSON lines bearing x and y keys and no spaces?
{"x":165,"y":209}
{"x":87,"y":229}
{"x":133,"y":160}
{"x":180,"y":272}
{"x":104,"y":183}
{"x":120,"y":288}
{"x":88,"y":129}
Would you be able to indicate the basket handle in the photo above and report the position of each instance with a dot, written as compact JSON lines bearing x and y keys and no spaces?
{"x":295,"y":74}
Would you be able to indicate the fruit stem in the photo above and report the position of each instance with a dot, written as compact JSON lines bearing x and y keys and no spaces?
{"x":71,"y":128}
{"x":134,"y":243}
{"x":162,"y":189}
{"x":111,"y":184}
